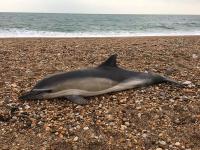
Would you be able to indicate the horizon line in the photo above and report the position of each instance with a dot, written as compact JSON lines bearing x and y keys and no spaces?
{"x":98,"y":13}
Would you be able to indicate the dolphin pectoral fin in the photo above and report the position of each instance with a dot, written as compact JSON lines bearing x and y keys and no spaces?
{"x":77,"y":99}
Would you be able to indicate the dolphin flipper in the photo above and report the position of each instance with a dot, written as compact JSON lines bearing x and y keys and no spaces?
{"x":77,"y":99}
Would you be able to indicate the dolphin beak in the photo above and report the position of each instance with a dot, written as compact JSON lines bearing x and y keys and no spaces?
{"x":31,"y":95}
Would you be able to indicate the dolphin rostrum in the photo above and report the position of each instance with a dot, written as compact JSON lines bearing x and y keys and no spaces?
{"x":105,"y":78}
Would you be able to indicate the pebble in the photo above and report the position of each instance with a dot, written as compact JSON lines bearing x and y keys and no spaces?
{"x":162,"y":142}
{"x":47,"y":128}
{"x":109,"y":117}
{"x":75,"y":138}
{"x":123,"y":127}
{"x":139,"y":107}
{"x":144,"y":135}
{"x":162,"y":94}
{"x":114,"y":96}
{"x":184,"y":98}
{"x":159,"y":148}
{"x":187,"y":82}
{"x":27,"y":107}
{"x":139,"y":115}
{"x":194,"y":56}
{"x":85,"y":128}
{"x":127,"y":123}
{"x":177,"y":144}
{"x":122,"y":100}
{"x":14,"y":85}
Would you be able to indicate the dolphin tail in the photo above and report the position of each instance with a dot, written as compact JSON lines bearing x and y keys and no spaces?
{"x":170,"y":81}
{"x":33,"y":95}
{"x":162,"y":79}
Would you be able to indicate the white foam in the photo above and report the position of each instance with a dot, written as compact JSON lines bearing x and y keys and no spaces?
{"x":9,"y":33}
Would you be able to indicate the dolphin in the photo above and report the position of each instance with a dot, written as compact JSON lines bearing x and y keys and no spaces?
{"x":106,"y":78}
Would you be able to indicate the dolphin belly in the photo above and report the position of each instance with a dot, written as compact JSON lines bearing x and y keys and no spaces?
{"x":83,"y":86}
{"x":95,"y":86}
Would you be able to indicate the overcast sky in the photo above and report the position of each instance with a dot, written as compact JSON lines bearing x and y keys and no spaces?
{"x":103,"y":6}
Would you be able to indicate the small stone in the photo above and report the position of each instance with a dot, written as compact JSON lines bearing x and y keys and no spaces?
{"x":187,"y":82}
{"x":123,"y":127}
{"x":162,"y":94}
{"x":177,"y":144}
{"x":61,"y":135}
{"x":194,"y":56}
{"x":159,"y":148}
{"x":177,"y":121}
{"x":114,"y":97}
{"x":85,"y":128}
{"x":27,"y":107}
{"x":109,"y":117}
{"x":144,"y":135}
{"x":139,"y":107}
{"x":139,"y":115}
{"x":47,"y":128}
{"x":122,"y":100}
{"x":127,"y":123}
{"x":162,"y":142}
{"x":78,"y":127}
{"x":75,"y":138}
{"x":184,"y":98}
{"x":14,"y":85}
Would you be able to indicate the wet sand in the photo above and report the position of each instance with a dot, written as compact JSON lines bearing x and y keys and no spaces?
{"x":161,"y":116}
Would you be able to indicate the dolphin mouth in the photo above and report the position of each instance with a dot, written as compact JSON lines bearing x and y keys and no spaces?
{"x":31,"y":95}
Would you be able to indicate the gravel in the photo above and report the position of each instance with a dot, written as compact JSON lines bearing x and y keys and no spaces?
{"x":157,"y":117}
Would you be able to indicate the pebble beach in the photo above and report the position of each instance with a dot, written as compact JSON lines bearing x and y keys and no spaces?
{"x":158,"y":117}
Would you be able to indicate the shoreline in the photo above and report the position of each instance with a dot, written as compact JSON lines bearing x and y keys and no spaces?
{"x":106,"y":37}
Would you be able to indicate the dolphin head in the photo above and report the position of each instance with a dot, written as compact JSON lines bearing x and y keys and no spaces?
{"x":34,"y":94}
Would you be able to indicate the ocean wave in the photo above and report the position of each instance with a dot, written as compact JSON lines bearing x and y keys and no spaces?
{"x":188,"y":24}
{"x":165,"y":27}
{"x":9,"y":33}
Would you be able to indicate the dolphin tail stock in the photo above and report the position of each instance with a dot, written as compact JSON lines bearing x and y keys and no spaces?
{"x":170,"y":81}
{"x":33,"y":94}
{"x":162,"y":79}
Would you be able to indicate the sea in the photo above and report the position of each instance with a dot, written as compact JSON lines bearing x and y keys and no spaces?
{"x":96,"y":25}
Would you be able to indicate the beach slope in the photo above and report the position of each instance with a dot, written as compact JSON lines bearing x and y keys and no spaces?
{"x":161,"y":116}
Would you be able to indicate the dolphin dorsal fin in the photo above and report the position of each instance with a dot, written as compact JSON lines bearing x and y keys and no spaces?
{"x":110,"y":62}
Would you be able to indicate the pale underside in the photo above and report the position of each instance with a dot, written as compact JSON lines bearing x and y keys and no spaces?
{"x":92,"y":86}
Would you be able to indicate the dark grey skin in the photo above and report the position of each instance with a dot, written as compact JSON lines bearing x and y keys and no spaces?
{"x":105,"y":78}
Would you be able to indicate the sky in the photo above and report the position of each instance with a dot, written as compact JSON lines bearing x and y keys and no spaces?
{"x":103,"y":6}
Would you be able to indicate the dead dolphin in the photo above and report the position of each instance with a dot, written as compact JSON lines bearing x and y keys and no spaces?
{"x":105,"y":78}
